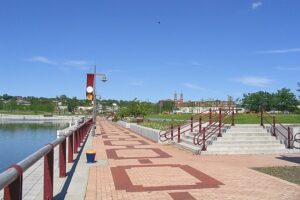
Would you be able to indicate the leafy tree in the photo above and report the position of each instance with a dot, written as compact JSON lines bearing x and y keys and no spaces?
{"x":6,"y":97}
{"x":299,"y":87}
{"x":123,"y":112}
{"x":253,"y":101}
{"x":72,"y":104}
{"x":166,"y":106}
{"x":285,"y":100}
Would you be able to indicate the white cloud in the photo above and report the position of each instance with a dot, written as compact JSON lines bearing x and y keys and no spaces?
{"x":193,"y":86}
{"x":76,"y":63}
{"x":41,"y":59}
{"x":255,"y":5}
{"x":195,"y":63}
{"x":254,"y":81}
{"x":64,"y":66}
{"x":173,"y":63}
{"x":288,"y":68}
{"x":183,"y":63}
{"x":295,"y":50}
{"x":137,"y":83}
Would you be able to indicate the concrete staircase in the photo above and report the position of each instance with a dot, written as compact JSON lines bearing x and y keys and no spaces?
{"x":240,"y":139}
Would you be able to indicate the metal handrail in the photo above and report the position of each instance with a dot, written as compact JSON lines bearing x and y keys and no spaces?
{"x":276,"y":129}
{"x":167,"y":134}
{"x":212,"y":129}
{"x":11,"y":174}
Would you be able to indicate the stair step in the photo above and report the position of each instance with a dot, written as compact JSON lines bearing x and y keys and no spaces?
{"x":190,"y":147}
{"x":234,"y":142}
{"x":248,"y":134}
{"x":245,"y":147}
{"x":233,"y":138}
{"x":248,"y":152}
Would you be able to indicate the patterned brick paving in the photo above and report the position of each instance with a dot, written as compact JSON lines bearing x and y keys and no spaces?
{"x":139,"y":169}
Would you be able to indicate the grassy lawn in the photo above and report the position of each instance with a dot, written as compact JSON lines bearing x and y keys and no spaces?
{"x":239,"y":118}
{"x":291,"y":174}
{"x":170,"y":117}
{"x":163,"y":121}
{"x":255,"y":118}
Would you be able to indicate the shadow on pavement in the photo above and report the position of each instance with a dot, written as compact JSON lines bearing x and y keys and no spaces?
{"x":290,"y":159}
{"x":70,"y":174}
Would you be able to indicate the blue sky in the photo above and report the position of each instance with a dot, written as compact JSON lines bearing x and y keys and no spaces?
{"x":203,"y":48}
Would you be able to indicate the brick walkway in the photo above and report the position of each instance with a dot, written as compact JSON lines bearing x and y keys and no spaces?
{"x":139,"y":169}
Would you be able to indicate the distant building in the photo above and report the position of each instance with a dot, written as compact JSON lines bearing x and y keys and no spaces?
{"x":203,"y":106}
{"x":177,"y":102}
{"x":84,"y":108}
{"x":197,"y":106}
{"x":21,"y":101}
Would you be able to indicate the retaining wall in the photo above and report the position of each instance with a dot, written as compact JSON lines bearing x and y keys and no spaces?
{"x":146,"y":132}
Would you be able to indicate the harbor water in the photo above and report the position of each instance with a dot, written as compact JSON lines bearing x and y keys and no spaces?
{"x":19,"y":140}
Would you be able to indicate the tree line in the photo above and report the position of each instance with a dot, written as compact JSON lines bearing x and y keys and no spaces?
{"x":282,"y":100}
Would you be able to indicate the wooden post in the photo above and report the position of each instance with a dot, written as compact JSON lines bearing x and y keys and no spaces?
{"x":220,"y":122}
{"x":48,"y":175}
{"x":172,"y":132}
{"x":192,"y":124}
{"x":274,"y":126}
{"x":62,"y":159}
{"x":178,"y":136}
{"x":14,"y":189}
{"x":203,"y":140}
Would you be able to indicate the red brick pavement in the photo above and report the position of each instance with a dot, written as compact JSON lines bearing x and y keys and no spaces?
{"x":140,"y":169}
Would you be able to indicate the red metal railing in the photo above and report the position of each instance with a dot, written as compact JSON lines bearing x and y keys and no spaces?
{"x":203,"y":118}
{"x":277,"y":128}
{"x":214,"y":127}
{"x":12,"y":178}
{"x":172,"y":132}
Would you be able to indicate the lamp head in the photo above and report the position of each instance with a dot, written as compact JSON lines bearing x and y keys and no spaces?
{"x":104,"y":79}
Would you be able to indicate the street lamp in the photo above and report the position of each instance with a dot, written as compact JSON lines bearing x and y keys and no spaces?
{"x":103,"y":79}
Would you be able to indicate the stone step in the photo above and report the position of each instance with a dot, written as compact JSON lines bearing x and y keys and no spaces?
{"x":247,"y":138}
{"x":234,"y":142}
{"x":247,"y":134}
{"x":244,"y":126}
{"x":246,"y":131}
{"x":228,"y":147}
{"x":190,"y":147}
{"x":248,"y":152}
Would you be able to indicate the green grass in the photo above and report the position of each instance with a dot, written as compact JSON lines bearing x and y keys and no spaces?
{"x":164,"y":121}
{"x":239,"y":118}
{"x":171,"y":117}
{"x":255,"y":118}
{"x":291,"y":174}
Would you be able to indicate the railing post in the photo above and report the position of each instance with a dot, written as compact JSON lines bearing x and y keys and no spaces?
{"x":203,"y":140}
{"x":200,"y":124}
{"x":178,"y":136}
{"x":79,"y":136}
{"x":62,"y":159}
{"x":289,"y":138}
{"x":274,"y":126}
{"x":75,"y":141}
{"x":210,"y":116}
{"x":192,"y":124}
{"x":261,"y":117}
{"x":70,"y":148}
{"x":14,"y":190}
{"x":48,"y":175}
{"x":220,"y":122}
{"x":172,"y":132}
{"x":232,"y":118}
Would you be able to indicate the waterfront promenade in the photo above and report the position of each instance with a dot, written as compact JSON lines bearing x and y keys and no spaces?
{"x":131,"y":167}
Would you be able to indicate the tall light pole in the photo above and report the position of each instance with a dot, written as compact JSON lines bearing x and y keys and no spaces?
{"x":104,"y":79}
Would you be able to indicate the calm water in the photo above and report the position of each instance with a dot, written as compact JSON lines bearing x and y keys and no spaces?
{"x":18,"y":141}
